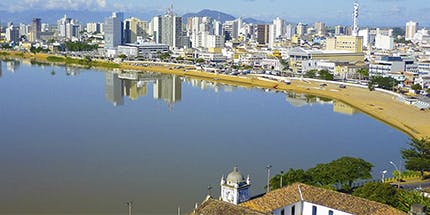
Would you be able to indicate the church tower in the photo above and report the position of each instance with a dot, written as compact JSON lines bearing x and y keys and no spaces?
{"x":234,"y":188}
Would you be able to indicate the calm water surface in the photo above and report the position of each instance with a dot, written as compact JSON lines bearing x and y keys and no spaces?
{"x":76,"y":141}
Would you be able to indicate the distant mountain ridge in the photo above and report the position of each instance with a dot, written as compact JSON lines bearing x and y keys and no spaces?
{"x":220,"y":16}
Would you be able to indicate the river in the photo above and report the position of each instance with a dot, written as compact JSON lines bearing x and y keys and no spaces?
{"x":85,"y":141}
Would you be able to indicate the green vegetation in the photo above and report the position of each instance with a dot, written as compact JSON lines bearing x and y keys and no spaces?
{"x":386,"y":83}
{"x":122,"y":56}
{"x":38,"y":50}
{"x":402,"y":40}
{"x":85,"y":62}
{"x":343,"y":171}
{"x":416,"y":87}
{"x":180,"y":58}
{"x":200,"y":60}
{"x":417,"y":157}
{"x":4,"y":54}
{"x":386,"y":194}
{"x":56,"y":59}
{"x":311,"y":74}
{"x":364,"y":73}
{"x":80,"y":46}
{"x":322,"y":74}
{"x":326,"y":75}
{"x":398,"y":32}
{"x":164,"y":56}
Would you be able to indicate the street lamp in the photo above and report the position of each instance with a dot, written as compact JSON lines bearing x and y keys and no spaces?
{"x":383,"y":175}
{"x":398,"y":170}
{"x":282,"y":173}
{"x":268,"y":177}
{"x":130,"y":206}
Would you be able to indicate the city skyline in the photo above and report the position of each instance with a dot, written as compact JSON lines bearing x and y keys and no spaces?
{"x":379,"y":12}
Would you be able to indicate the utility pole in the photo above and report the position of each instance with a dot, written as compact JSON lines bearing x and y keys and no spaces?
{"x":268,"y":177}
{"x":280,"y":184}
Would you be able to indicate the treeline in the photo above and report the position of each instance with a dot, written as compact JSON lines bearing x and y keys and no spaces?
{"x":80,"y":46}
{"x":344,"y":171}
{"x":341,"y":172}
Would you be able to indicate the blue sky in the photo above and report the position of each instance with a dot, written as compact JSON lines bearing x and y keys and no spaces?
{"x":373,"y":12}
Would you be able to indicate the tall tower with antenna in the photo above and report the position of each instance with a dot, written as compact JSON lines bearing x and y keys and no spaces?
{"x":355,"y":18}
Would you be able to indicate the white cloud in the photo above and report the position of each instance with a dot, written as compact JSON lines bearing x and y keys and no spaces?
{"x":57,"y":4}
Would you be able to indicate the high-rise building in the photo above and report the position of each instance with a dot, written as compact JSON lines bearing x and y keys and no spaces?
{"x":155,"y":29}
{"x":411,"y":29}
{"x":94,"y":27}
{"x":171,"y":30}
{"x":263,"y":34}
{"x":68,"y":28}
{"x":272,"y":38}
{"x":113,"y":29}
{"x":320,"y":28}
{"x":301,"y":29}
{"x":279,"y":25}
{"x":339,"y":30}
{"x":36,"y":28}
{"x":365,"y":33}
{"x":384,"y":42}
{"x":12,"y":33}
{"x":290,"y":30}
{"x":134,"y":28}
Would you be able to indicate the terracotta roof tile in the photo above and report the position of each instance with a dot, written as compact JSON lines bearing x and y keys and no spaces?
{"x":332,"y":199}
{"x":217,"y":207}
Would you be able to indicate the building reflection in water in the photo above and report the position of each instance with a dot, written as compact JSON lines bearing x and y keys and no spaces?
{"x":300,"y":99}
{"x":114,"y":89}
{"x":135,"y":85}
{"x":12,"y":65}
{"x":340,"y":107}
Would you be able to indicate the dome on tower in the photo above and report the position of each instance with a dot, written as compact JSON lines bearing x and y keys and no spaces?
{"x":235,"y":176}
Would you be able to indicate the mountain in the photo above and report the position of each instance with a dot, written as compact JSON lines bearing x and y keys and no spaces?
{"x":220,"y":16}
{"x":254,"y":21}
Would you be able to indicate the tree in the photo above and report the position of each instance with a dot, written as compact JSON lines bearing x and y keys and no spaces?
{"x":416,"y":87}
{"x":417,"y":157}
{"x":200,"y":60}
{"x":311,"y":74}
{"x":180,"y":58}
{"x":387,"y":83}
{"x":290,"y":177}
{"x":122,"y":56}
{"x":364,"y":73}
{"x":326,"y":75}
{"x":428,"y":91}
{"x":378,"y":192}
{"x":343,"y":171}
{"x":386,"y":194}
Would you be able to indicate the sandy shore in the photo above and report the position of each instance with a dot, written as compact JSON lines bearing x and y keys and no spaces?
{"x":379,"y":105}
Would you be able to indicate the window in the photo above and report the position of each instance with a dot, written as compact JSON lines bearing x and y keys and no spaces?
{"x":293,"y":210}
{"x":283,"y":212}
{"x":330,"y":212}
{"x":314,"y":210}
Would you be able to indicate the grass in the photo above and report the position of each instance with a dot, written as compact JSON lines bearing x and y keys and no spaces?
{"x":84,"y":62}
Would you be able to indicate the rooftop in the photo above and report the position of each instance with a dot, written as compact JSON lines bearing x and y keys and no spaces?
{"x":332,"y":199}
{"x":214,"y":207}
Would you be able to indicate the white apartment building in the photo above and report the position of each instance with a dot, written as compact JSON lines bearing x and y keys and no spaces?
{"x":411,"y":29}
{"x":384,"y":42}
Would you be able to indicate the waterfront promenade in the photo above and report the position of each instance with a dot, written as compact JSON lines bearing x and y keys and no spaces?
{"x":382,"y":106}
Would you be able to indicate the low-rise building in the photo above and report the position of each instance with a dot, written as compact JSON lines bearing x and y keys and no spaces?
{"x":147,"y":50}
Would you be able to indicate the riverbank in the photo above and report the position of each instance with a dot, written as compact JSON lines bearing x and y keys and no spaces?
{"x":379,"y":105}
